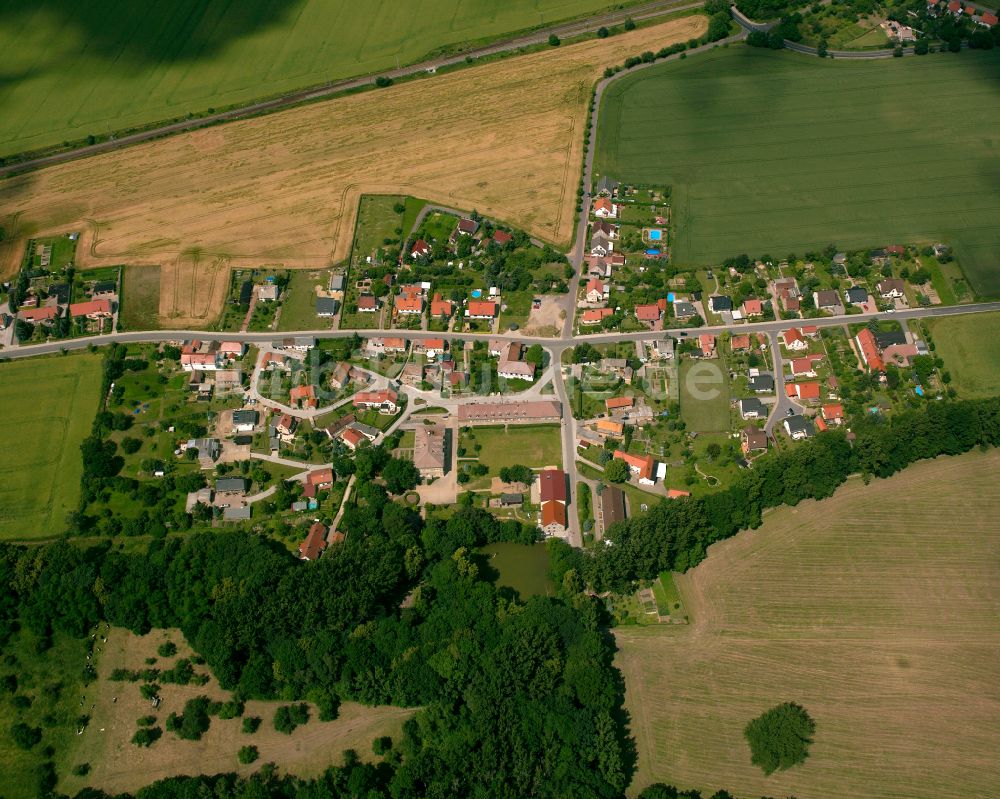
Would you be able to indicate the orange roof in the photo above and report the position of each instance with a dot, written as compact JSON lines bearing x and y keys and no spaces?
{"x":647,"y":313}
{"x":810,"y":330}
{"x":741,"y":342}
{"x":315,"y":542}
{"x":38,"y":314}
{"x":804,"y":390}
{"x":869,"y":350}
{"x":662,"y":304}
{"x":414,"y":304}
{"x":482,"y":308}
{"x":820,"y":424}
{"x":752,"y":307}
{"x":619,"y":402}
{"x":552,"y":485}
{"x":641,"y":464}
{"x":610,"y":426}
{"x":707,"y":342}
{"x":440,"y":307}
{"x":802,"y":365}
{"x":367,"y":301}
{"x":553,"y":513}
{"x":91,"y":307}
{"x":833,"y":411}
{"x":595,"y":285}
{"x":675,"y":493}
{"x":397,"y":343}
{"x":596,"y":314}
{"x":302,"y":392}
{"x":351,"y":437}
{"x":320,"y":477}
{"x":375,"y":397}
{"x":791,"y":335}
{"x":433,"y":343}
{"x":603,"y":204}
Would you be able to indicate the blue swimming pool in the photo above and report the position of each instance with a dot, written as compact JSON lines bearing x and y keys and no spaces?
{"x":670,"y":296}
{"x":655,"y":235}
{"x":652,"y":252}
{"x":476,"y":294}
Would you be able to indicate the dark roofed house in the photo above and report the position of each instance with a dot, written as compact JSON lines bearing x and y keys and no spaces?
{"x":467,"y":227}
{"x":326,"y":306}
{"x":719,"y":304}
{"x":753,"y":440}
{"x":104,"y":288}
{"x":798,"y":427}
{"x":856,"y":295}
{"x":762,"y":383}
{"x":612,"y":505}
{"x":315,"y":542}
{"x":606,"y":187}
{"x":236,"y":514}
{"x":60,"y":291}
{"x":684,"y":309}
{"x":752,"y":408}
{"x":889,"y":338}
{"x":231,"y":485}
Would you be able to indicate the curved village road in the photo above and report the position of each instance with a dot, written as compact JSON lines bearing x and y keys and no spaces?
{"x":647,"y":11}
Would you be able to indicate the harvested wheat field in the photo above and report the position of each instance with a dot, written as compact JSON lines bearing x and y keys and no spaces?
{"x":505,"y":138}
{"x":117,"y":765}
{"x":878,"y":610}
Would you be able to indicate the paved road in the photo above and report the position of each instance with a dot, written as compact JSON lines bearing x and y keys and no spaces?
{"x":783,"y":403}
{"x":567,"y":30}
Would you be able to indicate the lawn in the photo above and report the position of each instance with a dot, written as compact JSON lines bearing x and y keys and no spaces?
{"x":298,"y":307}
{"x":841,"y":155}
{"x":140,"y":298}
{"x":50,"y":404}
{"x":704,"y":390}
{"x":890,"y":641}
{"x":69,"y":74}
{"x":970,"y":347}
{"x":525,"y":445}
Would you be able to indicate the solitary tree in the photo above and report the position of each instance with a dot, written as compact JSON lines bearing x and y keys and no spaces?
{"x":616,"y":471}
{"x":780,"y":738}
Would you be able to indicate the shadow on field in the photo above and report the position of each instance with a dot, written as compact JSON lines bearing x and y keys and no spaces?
{"x":138,"y":31}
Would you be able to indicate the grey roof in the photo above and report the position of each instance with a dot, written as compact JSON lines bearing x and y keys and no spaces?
{"x":230,"y":484}
{"x":752,"y":405}
{"x":366,"y":430}
{"x":511,"y":499}
{"x":326,"y":306}
{"x":889,"y":337}
{"x":762,"y":382}
{"x":300,"y":505}
{"x":104,"y":286}
{"x":337,"y":283}
{"x":244,"y":416}
{"x":798,"y":424}
{"x":857,"y":294}
{"x":720,"y":303}
{"x":236,"y":514}
{"x":606,"y":184}
{"x":207,"y":447}
{"x":827,"y":298}
{"x":683,"y":309}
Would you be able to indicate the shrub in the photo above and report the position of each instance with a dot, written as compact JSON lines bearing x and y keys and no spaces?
{"x":248,"y":754}
{"x":603,"y":33}
{"x":194,"y":722}
{"x":24,"y":736}
{"x":382,"y":745}
{"x":231,"y":710}
{"x":167,"y":650}
{"x":146,"y":721}
{"x":147,"y":736}
{"x":630,"y":24}
{"x":382,"y":81}
{"x":288,"y":717}
{"x":81,"y":769}
{"x":780,"y":738}
{"x":251,"y":724}
{"x":554,"y":40}
{"x":149,"y":690}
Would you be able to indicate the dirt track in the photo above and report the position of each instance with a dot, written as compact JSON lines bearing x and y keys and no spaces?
{"x":505,"y":138}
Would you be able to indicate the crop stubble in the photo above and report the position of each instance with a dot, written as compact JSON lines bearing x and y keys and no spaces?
{"x":505,"y":138}
{"x":876,"y":609}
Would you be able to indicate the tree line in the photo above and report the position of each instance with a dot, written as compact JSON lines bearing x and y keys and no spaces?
{"x":675,"y":535}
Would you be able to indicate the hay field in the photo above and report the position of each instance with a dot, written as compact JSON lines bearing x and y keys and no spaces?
{"x":970,"y":347}
{"x":844,"y":151}
{"x":117,"y":765}
{"x":505,"y":138}
{"x":67,"y":73}
{"x":878,"y":610}
{"x":49,"y":406}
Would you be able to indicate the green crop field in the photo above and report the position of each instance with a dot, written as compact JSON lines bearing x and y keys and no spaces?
{"x":704,"y":389}
{"x":50,"y":405}
{"x":778,"y":153}
{"x":71,"y":70}
{"x":876,"y":610}
{"x":970,"y":347}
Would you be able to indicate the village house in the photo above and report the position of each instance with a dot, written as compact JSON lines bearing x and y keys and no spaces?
{"x":244,"y":420}
{"x":803,"y":391}
{"x":199,"y":356}
{"x":467,"y":227}
{"x":594,"y":316}
{"x":326,"y":307}
{"x":269,"y":292}
{"x":707,"y":343}
{"x":553,"y":496}
{"x":387,"y":345}
{"x":596,"y":290}
{"x":649,"y":314}
{"x":612,"y":506}
{"x":303,"y":396}
{"x":805,"y":367}
{"x":683,"y":309}
{"x":798,"y":427}
{"x":314,"y":544}
{"x":232,"y":350}
{"x":320,"y":479}
{"x":609,"y":427}
{"x":412,"y":375}
{"x":94,"y":310}
{"x":891,"y":288}
{"x":642,"y":467}
{"x":718,"y":304}
{"x":430,"y":346}
{"x":420,"y":249}
{"x":45,"y":316}
{"x":368,"y":303}
{"x":793,"y":339}
{"x":231,"y":485}
{"x":740,"y":343}
{"x":828,"y":300}
{"x":761,"y":383}
{"x":604,"y":208}
{"x":601,"y":244}
{"x":340,"y":375}
{"x":481,"y":309}
{"x":752,"y":408}
{"x":752,"y":440}
{"x":429,"y":450}
{"x":410,"y":300}
{"x":512,"y":367}
{"x":833,"y":413}
{"x":351,"y":437}
{"x":856,"y":295}
{"x":383,"y":400}
{"x":440,"y":309}
{"x":752,"y":307}
{"x":617,"y":404}
{"x":869,"y":350}
{"x":208,"y":449}
{"x":606,"y":187}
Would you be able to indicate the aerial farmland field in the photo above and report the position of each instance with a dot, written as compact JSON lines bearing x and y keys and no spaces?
{"x":283,"y":189}
{"x":50,"y":406}
{"x":76,"y":69}
{"x":876,"y":609}
{"x":778,"y":153}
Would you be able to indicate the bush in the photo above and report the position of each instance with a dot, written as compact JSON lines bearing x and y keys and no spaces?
{"x":24,"y":736}
{"x":166,"y":650}
{"x":231,"y":710}
{"x":131,"y":445}
{"x":81,"y":769}
{"x":382,"y":745}
{"x":630,"y":24}
{"x":603,"y":33}
{"x":251,"y":724}
{"x":194,"y":722}
{"x":146,"y":721}
{"x":248,"y":754}
{"x":780,"y":738}
{"x":554,"y":40}
{"x":147,"y":736}
{"x":382,"y":81}
{"x":288,"y":717}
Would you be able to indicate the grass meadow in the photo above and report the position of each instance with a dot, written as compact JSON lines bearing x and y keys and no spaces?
{"x":970,"y":347}
{"x":78,"y":69}
{"x":140,"y":298}
{"x":776,"y":153}
{"x":50,"y":405}
{"x":704,"y":388}
{"x":876,"y":609}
